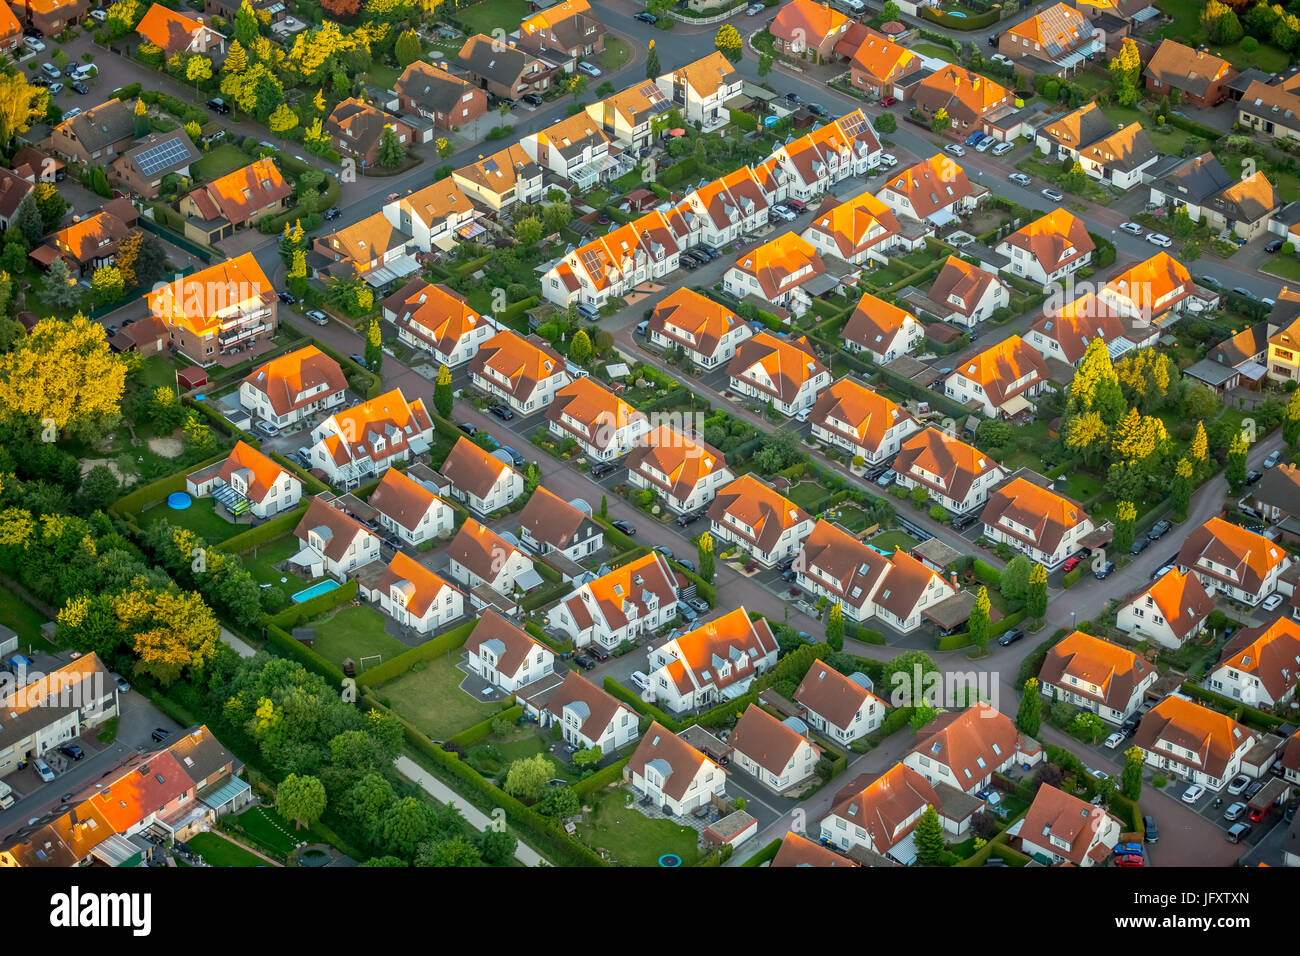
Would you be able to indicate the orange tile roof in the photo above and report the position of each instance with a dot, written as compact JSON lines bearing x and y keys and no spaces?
{"x":707,"y":74}
{"x":614,"y":593}
{"x":403,"y":499}
{"x":1182,"y":600}
{"x":833,"y":696}
{"x":365,"y":241}
{"x":481,"y":550}
{"x":758,"y":506}
{"x":881,"y":58}
{"x":420,"y":586}
{"x":336,"y":528}
{"x":875,"y":322}
{"x":1057,"y":30}
{"x":1055,"y":813}
{"x":1117,"y":671}
{"x":1074,"y":325}
{"x":969,"y":283}
{"x":683,"y":461}
{"x":807,"y":21}
{"x":260,"y":472}
{"x":693,"y":321}
{"x":1270,"y":653}
{"x":932,"y":184}
{"x":788,"y":364}
{"x":847,"y":138}
{"x":725,"y":638}
{"x":9,"y":25}
{"x":142,"y":791}
{"x":857,"y":224}
{"x":1213,"y":737}
{"x":960,"y":740}
{"x":1228,"y":545}
{"x":732,"y":198}
{"x":683,"y":760}
{"x":1193,"y":71}
{"x":765,"y":740}
{"x":997,"y":368}
{"x":522,"y":362}
{"x":94,"y":237}
{"x":239,"y":194}
{"x":198,"y":301}
{"x":167,"y":29}
{"x":958,"y":89}
{"x":500,"y":171}
{"x":357,"y":430}
{"x":435,"y":202}
{"x":516,"y":645}
{"x":1152,"y":286}
{"x":284,"y":379}
{"x":545,"y":19}
{"x":596,"y":411}
{"x":1078,"y":128}
{"x":798,"y":850}
{"x":436,"y":315}
{"x":472,"y":469}
{"x":943,"y":463}
{"x":1047,"y":515}
{"x":1054,"y":240}
{"x":868,"y":415}
{"x":882,"y":808}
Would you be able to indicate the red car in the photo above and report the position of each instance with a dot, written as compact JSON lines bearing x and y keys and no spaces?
{"x":1129,"y":859}
{"x":1071,"y":563}
{"x":1257,"y":814}
{"x":888,"y":100}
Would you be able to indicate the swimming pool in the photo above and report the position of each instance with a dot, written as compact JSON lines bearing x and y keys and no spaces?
{"x":316,"y":590}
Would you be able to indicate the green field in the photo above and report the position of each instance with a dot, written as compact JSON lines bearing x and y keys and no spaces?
{"x":201,"y":517}
{"x":808,"y":495}
{"x":218,"y":851}
{"x":487,"y":16}
{"x":890,"y":540}
{"x":630,"y":837}
{"x":24,"y":619}
{"x":616,"y":54}
{"x":355,"y":632}
{"x":271,"y":833}
{"x":429,"y":696}
{"x":221,"y":160}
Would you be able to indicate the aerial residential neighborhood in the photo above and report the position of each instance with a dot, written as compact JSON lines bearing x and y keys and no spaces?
{"x":650,"y":433}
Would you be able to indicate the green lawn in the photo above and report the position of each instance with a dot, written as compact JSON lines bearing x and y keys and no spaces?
{"x":487,"y":16}
{"x":201,"y":517}
{"x":261,"y":562}
{"x":617,"y":53}
{"x":270,"y":832}
{"x":24,"y":619}
{"x":155,"y":372}
{"x":1288,"y":184}
{"x":890,"y":540}
{"x":631,"y":838}
{"x":218,"y":851}
{"x":934,"y":50}
{"x":1285,"y":267}
{"x":384,"y":76}
{"x":108,"y":731}
{"x":851,"y":518}
{"x":808,"y":495}
{"x":429,"y":696}
{"x":219,"y":161}
{"x":355,"y":632}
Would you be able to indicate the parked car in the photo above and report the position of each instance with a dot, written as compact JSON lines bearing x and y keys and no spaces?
{"x":1052,"y":194}
{"x":1159,"y":529}
{"x":1011,"y":636}
{"x":1273,"y":245}
{"x":1122,"y":849}
{"x":501,"y":412}
{"x":887,"y":478}
{"x":687,"y":612}
{"x":267,"y":429}
{"x":320,"y":318}
{"x":1020,"y":179}
{"x":700,"y":605}
{"x":689,"y":262}
{"x":304,"y":457}
{"x":333,"y":212}
{"x":888,"y":160}
{"x":1131,"y":227}
{"x":797,"y":205}
{"x":788,"y":215}
{"x":588,"y":312}
{"x":1257,"y":814}
{"x":50,"y":70}
{"x":623,"y":526}
{"x":589,"y":68}
{"x":1238,"y":784}
{"x":641,"y":679}
{"x":33,"y":44}
{"x":469,"y":428}
{"x":160,"y":734}
{"x":645,"y":17}
{"x":1160,"y":239}
{"x":983,"y":145}
{"x":81,"y":89}
{"x":1071,"y":564}
{"x":582,"y":660}
{"x":689,"y":519}
{"x":1235,"y":811}
{"x":962,"y":522}
{"x":600,"y":469}
{"x":1272,"y":602}
{"x":1130,"y":859}
{"x":218,"y":105}
{"x":1152,"y":831}
{"x":43,"y":770}
{"x":598,"y":652}
{"x":1001,"y":149}
{"x":754,"y":9}
{"x":1238,"y":832}
{"x":1253,"y":476}
{"x":72,"y":751}
{"x":1253,"y":789}
{"x":666,"y":551}
{"x":1272,"y":460}
{"x":286,"y":298}
{"x":888,"y":101}
{"x":55,"y":89}
{"x":1139,"y":545}
{"x":1099,"y":774}
{"x":954,"y":149}
{"x":532,"y":99}
{"x":515,"y":457}
{"x":794,"y":99}
{"x":1103,"y":572}
{"x":1003,"y":59}
{"x":100,"y":15}
{"x":120,"y":681}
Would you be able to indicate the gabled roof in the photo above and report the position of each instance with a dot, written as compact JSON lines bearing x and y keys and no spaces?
{"x":930,"y":185}
{"x":365,"y":240}
{"x":1046,"y":515}
{"x":963,"y":94}
{"x":1078,"y":128}
{"x":402,"y":499}
{"x":1186,"y":69}
{"x":102,"y":125}
{"x":732,"y":198}
{"x":861,"y":415}
{"x":472,"y":469}
{"x":882,"y":808}
{"x":198,"y":301}
{"x":1195,"y":180}
{"x":759,"y":507}
{"x":511,"y":645}
{"x":159,"y":154}
{"x":1186,"y":725}
{"x":632,"y":585}
{"x":943,"y":463}
{"x":848,"y":138}
{"x":596,"y":708}
{"x":1161,"y":279}
{"x":168,"y":29}
{"x":1247,"y":200}
{"x":1181,"y":598}
{"x":1280,"y":488}
{"x":1055,"y":240}
{"x":481,"y":550}
{"x":843,"y":564}
{"x":357,"y":123}
{"x":706,"y":75}
{"x":569,"y":137}
{"x":1251,"y":556}
{"x":1058,"y":30}
{"x":765,"y":740}
{"x":420,"y":585}
{"x":1000,"y":366}
{"x":93,"y":237}
{"x":829,"y":694}
{"x":437,"y":201}
{"x":971,"y":743}
{"x":258,"y":471}
{"x":875,"y":323}
{"x":798,"y":850}
{"x":857,"y":224}
{"x":968,"y":283}
{"x":431,"y":88}
{"x":881,"y":58}
{"x":708,"y":647}
{"x":500,"y":171}
{"x":596,"y":412}
{"x":1117,"y":671}
{"x":1270,"y":653}
{"x":1055,"y":813}
{"x":677,"y":760}
{"x":356,"y":432}
{"x":283,"y":380}
{"x":1074,"y":325}
{"x":524,"y":363}
{"x":236,"y":195}
{"x":434,"y":313}
{"x":500,"y":62}
{"x":336,"y":529}
{"x":682,"y":462}
{"x":553,"y":520}
{"x":696,"y":322}
{"x":787,"y":364}
{"x":807,"y":21}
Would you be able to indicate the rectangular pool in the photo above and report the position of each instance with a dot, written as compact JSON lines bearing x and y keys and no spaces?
{"x":316,"y":590}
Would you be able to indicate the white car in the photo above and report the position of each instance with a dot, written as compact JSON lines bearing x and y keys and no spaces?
{"x":588,"y":68}
{"x":802,"y":414}
{"x":1115,"y":739}
{"x":100,"y":15}
{"x":75,"y":111}
{"x":1160,"y":239}
{"x":787,"y":214}
{"x":1020,"y":179}
{"x":1238,"y":784}
{"x":50,"y":70}
{"x":755,"y":9}
{"x":984,"y":144}
{"x":954,"y":149}
{"x":43,"y":770}
{"x":1131,"y":227}
{"x":1053,"y":194}
{"x":888,"y":160}
{"x":33,"y":44}
{"x":1272,"y":459}
{"x":1000,"y":58}
{"x":1272,"y":602}
{"x":1099,"y":774}
{"x":1193,"y":793}
{"x":1001,"y":149}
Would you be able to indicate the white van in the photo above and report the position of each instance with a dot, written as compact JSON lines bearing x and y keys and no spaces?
{"x":641,"y":679}
{"x":43,"y":770}
{"x":857,"y":6}
{"x":6,"y":796}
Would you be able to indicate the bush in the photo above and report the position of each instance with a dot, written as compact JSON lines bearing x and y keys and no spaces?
{"x":1249,"y":44}
{"x":1072,"y":577}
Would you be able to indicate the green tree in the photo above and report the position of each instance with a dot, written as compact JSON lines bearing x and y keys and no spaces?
{"x":1131,"y":778}
{"x":1015,"y":578}
{"x":1030,"y":715}
{"x":1125,"y":519}
{"x":456,"y":851}
{"x":1200,"y":443}
{"x":497,"y":847}
{"x":1180,"y":489}
{"x":1291,"y":420}
{"x":391,"y":151}
{"x":407,"y":49}
{"x":29,"y":220}
{"x":236,"y":58}
{"x":940,"y":121}
{"x":558,"y":802}
{"x":765,"y":63}
{"x":580,"y":350}
{"x":1234,"y":466}
{"x":886,"y":123}
{"x":1036,"y":601}
{"x":728,"y":42}
{"x":283,"y":119}
{"x":374,"y":345}
{"x":107,"y":285}
{"x":928,"y":837}
{"x":198,"y":70}
{"x":704,"y":552}
{"x":1095,"y":386}
{"x":528,"y":776}
{"x":529,"y":231}
{"x":246,"y":27}
{"x":197,"y":437}
{"x":300,"y":799}
{"x":979,"y":618}
{"x":652,"y":68}
{"x":442,"y":399}
{"x":51,"y":204}
{"x":1220,"y":24}
{"x":21,"y":104}
{"x":835,"y":627}
{"x":60,"y":290}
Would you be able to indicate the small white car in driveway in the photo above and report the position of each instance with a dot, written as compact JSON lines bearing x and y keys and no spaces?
{"x":1001,"y":149}
{"x":1272,"y":602}
{"x":888,"y":160}
{"x":589,"y":68}
{"x":1115,"y":739}
{"x":1193,"y":793}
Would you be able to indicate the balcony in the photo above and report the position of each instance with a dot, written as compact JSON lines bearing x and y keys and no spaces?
{"x":226,"y":339}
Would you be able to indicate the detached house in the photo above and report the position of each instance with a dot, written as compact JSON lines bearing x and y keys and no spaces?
{"x":702,"y":89}
{"x":1245,"y":208}
{"x":783,"y":372}
{"x":479,"y":556}
{"x":685,"y":472}
{"x":1101,"y":677}
{"x":999,"y":381}
{"x":1283,"y":330}
{"x":1226,"y":557}
{"x":964,"y":294}
{"x":51,"y":17}
{"x":1170,"y":611}
{"x":859,"y":230}
{"x":91,"y":243}
{"x":363,"y":441}
{"x":502,"y":180}
{"x":550,"y":524}
{"x":1277,"y":496}
{"x":1053,"y":42}
{"x":290,"y":389}
{"x":841,"y":708}
{"x":364,"y":247}
{"x":969,"y":99}
{"x":575,"y":149}
{"x":96,"y":135}
{"x":864,"y":423}
{"x":1048,"y":249}
{"x":673,"y":774}
{"x":1260,"y":665}
{"x":774,"y":752}
{"x":935,"y":190}
{"x":1065,"y":829}
{"x":1155,"y":290}
{"x":436,"y":95}
{"x":762,"y":523}
{"x":879,"y":65}
{"x":357,"y":129}
{"x":523,"y":373}
{"x":1065,"y":333}
{"x":1043,"y":525}
{"x":242,"y":198}
{"x":1062,"y":138}
{"x":142,"y":168}
{"x":604,"y":426}
{"x":564,"y":33}
{"x":1186,"y":740}
{"x":1272,"y":108}
{"x":635,"y":599}
{"x":504,"y":70}
{"x":628,"y":116}
{"x":408,"y":511}
{"x":880,"y":816}
{"x":708,"y":331}
{"x":1201,"y":77}
{"x":964,"y":749}
{"x":333,"y":542}
{"x":435,"y":217}
{"x":413,"y":595}
{"x":504,"y":655}
{"x":807,"y":27}
{"x":717,"y":660}
{"x":174,"y":33}
{"x":480,"y":480}
{"x":799,"y":851}
{"x":882,"y":330}
{"x":1122,"y":158}
{"x":247,"y":482}
{"x":224,"y":309}
{"x":957,"y":475}
{"x":588,"y":716}
{"x":437,"y":321}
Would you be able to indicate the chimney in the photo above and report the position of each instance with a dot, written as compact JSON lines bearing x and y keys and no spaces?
{"x":952,"y":577}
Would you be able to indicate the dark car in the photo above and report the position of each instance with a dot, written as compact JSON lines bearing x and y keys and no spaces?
{"x":218,"y":105}
{"x":796,"y":205}
{"x":501,"y":412}
{"x":962,"y":522}
{"x":333,"y":212}
{"x":81,"y":88}
{"x":684,"y":520}
{"x":359,"y":359}
{"x":816,"y":109}
{"x":789,"y":574}
{"x":39,"y":80}
{"x":583,"y":661}
{"x":160,"y":734}
{"x":286,"y":298}
{"x":1140,"y":545}
{"x":1103,"y":572}
{"x":1209,"y":282}
{"x":645,"y":17}
{"x":687,"y":563}
{"x":601,"y":468}
{"x":1253,"y":789}
{"x":1011,"y":636}
{"x":794,"y":98}
{"x":1273,"y":245}
{"x":1152,"y":832}
{"x":468,"y":428}
{"x":73,"y":751}
{"x":532,"y":99}
{"x":515,"y":457}
{"x":689,"y":263}
{"x":1159,"y":530}
{"x":597,"y":652}
{"x":1243,"y":292}
{"x":888,"y":101}
{"x":623,"y":526}
{"x":1289,"y":813}
{"x":1253,"y":476}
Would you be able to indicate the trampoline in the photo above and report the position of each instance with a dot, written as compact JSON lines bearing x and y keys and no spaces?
{"x":670,"y":860}
{"x":179,"y":501}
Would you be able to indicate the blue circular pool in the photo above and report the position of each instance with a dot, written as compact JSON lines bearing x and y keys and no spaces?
{"x":179,"y":501}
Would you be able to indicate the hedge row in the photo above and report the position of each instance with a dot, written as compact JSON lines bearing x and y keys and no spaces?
{"x":764,"y":855}
{"x":560,"y":647}
{"x":299,"y":614}
{"x":645,"y":708}
{"x":312,"y":485}
{"x":706,"y":590}
{"x":305,"y":655}
{"x":135,"y":501}
{"x":1234,"y":708}
{"x":396,"y":666}
{"x":601,"y":778}
{"x":1072,"y":577}
{"x":472,"y":735}
{"x":219,"y":422}
{"x":376,"y":385}
{"x":986,"y":573}
{"x":266,"y":531}
{"x":546,"y":595}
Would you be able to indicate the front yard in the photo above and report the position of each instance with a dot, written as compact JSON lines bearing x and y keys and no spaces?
{"x":630,"y":837}
{"x":221,"y":160}
{"x":355,"y":632}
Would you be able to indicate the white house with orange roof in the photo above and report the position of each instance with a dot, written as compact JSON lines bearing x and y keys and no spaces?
{"x":1169,"y":612}
{"x":708,"y":331}
{"x":480,"y":480}
{"x":414,"y":596}
{"x":806,"y":28}
{"x":881,"y":329}
{"x":506,"y":656}
{"x":1155,"y":289}
{"x":333,"y":542}
{"x":432,"y":216}
{"x":672,"y":773}
{"x":716,"y":660}
{"x":437,"y":321}
{"x":502,"y":180}
{"x":784,"y":372}
{"x":1260,"y":665}
{"x":864,"y":423}
{"x":1235,"y":561}
{"x":1049,"y":248}
{"x":614,"y":264}
{"x":174,"y":33}
{"x":364,"y":440}
{"x":965,"y":748}
{"x":1000,"y":380}
{"x":1065,"y":333}
{"x":774,"y":752}
{"x":685,"y":472}
{"x":880,"y":815}
{"x":702,"y":89}
{"x":478,"y":555}
{"x":1096,"y":675}
{"x":628,"y":116}
{"x":1041,"y":524}
{"x":1184,"y":739}
{"x":935,"y":190}
{"x":957,"y":475}
{"x":223,"y":309}
{"x":730,"y":206}
{"x":1065,"y":829}
{"x":293,"y":388}
{"x":410,"y":512}
{"x":964,"y":294}
{"x":630,"y":601}
{"x":759,"y":521}
{"x":523,"y":373}
{"x":839,"y":707}
{"x":247,"y":482}
{"x":830,"y":154}
{"x":859,"y":230}
{"x":576,"y":149}
{"x":604,"y":426}
{"x":775,"y":271}
{"x":897,"y":590}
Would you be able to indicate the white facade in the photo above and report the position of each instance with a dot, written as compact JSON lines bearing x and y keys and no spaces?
{"x":317,"y":398}
{"x":536,"y":664}
{"x":447,"y":606}
{"x":709,"y":781}
{"x":514,"y":565}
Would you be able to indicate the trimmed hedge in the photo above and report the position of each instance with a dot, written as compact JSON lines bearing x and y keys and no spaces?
{"x":472,"y":735}
{"x":220,"y":423}
{"x":560,"y":647}
{"x":311,"y":485}
{"x":601,"y":778}
{"x":396,"y":666}
{"x":135,"y":501}
{"x":284,"y":641}
{"x":986,"y":573}
{"x":765,"y":855}
{"x":1234,"y":708}
{"x":266,"y":531}
{"x":619,"y":692}
{"x":1072,"y":577}
{"x":299,"y":614}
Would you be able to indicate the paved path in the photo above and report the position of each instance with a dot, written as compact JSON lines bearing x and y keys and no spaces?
{"x":239,"y":647}
{"x":473,"y":815}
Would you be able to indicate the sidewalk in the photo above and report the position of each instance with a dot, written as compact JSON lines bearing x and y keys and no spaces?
{"x":475,"y":817}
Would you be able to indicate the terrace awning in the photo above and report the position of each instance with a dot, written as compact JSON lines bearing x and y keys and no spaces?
{"x":1016,"y":405}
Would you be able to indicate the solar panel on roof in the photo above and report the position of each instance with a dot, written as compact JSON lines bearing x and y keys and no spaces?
{"x":161,"y":156}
